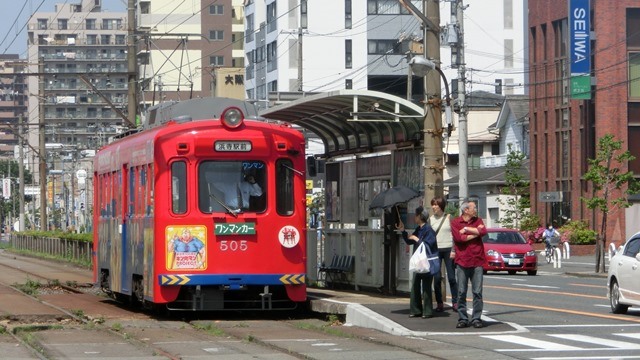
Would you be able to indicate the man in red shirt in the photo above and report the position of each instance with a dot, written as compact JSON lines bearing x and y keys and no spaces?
{"x":468,"y":230}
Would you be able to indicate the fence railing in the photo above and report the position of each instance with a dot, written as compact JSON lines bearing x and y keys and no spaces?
{"x":79,"y":251}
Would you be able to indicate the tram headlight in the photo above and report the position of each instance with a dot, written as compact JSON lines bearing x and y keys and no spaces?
{"x":232,"y":117}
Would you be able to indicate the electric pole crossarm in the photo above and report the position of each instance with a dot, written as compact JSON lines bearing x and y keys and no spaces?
{"x":416,"y":12}
{"x":105,"y":98}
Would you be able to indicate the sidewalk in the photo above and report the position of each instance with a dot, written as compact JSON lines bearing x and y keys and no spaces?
{"x":390,"y":314}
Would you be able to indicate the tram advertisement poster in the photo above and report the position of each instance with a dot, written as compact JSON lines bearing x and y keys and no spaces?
{"x":186,"y":247}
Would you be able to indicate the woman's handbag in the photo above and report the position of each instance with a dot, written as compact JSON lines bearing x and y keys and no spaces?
{"x":419,"y":262}
{"x":434,"y":261}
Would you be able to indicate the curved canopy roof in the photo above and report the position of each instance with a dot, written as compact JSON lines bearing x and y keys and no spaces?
{"x":352,"y":121}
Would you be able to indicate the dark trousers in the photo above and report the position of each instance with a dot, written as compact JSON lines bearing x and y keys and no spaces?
{"x":445,"y":258}
{"x":464,"y":275}
{"x":420,"y":302}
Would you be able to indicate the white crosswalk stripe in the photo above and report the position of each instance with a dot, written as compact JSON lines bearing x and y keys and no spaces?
{"x":567,"y":342}
{"x":537,"y":344}
{"x":599,"y":341}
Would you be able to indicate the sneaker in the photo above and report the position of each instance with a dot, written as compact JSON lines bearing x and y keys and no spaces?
{"x":414,"y":315}
{"x":477,"y":324}
{"x":462,"y":324}
{"x":455,"y":307}
{"x":440,"y":307}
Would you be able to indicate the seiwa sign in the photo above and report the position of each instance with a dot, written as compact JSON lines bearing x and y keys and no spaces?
{"x":580,"y":48}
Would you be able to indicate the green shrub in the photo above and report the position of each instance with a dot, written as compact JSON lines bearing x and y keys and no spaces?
{"x":578,"y":233}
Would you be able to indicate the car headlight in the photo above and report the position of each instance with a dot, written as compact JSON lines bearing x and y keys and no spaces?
{"x":493,"y":253}
{"x":530,"y":253}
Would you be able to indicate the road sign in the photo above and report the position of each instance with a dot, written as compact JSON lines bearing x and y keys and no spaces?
{"x":550,"y":196}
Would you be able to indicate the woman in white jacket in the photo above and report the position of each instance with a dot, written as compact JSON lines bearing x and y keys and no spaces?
{"x":441,"y":224}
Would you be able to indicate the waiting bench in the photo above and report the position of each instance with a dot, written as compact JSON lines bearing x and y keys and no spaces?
{"x":340,"y":266}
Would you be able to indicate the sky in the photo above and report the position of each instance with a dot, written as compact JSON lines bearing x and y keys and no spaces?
{"x":15,"y":15}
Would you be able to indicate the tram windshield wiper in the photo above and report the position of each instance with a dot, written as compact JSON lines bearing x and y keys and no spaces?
{"x":292,"y":169}
{"x":231,"y":211}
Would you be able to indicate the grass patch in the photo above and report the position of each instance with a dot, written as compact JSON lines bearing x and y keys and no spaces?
{"x":330,"y":327}
{"x":26,"y":334}
{"x":210,"y":328}
{"x":116,"y":327}
{"x":30,"y":287}
{"x":86,"y":264}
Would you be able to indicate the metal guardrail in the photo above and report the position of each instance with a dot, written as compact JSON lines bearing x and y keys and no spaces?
{"x":66,"y":248}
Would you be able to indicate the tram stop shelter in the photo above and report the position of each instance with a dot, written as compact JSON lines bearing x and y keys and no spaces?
{"x":372,"y":140}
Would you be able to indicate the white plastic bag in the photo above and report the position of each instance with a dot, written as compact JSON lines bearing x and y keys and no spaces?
{"x":419,"y":262}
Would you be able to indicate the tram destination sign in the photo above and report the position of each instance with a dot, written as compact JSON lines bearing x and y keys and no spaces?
{"x":235,"y":229}
{"x":232,"y":146}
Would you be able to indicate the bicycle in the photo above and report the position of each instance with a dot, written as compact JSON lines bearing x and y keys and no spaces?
{"x":551,"y":251}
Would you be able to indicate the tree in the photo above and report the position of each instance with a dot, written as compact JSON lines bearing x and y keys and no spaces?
{"x":611,"y":186}
{"x":9,"y":169}
{"x":517,"y":205}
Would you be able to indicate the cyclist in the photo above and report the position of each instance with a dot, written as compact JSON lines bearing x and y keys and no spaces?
{"x":547,"y":235}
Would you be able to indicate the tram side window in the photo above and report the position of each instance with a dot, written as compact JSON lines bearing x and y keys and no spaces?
{"x":179,"y":187}
{"x":284,"y":190}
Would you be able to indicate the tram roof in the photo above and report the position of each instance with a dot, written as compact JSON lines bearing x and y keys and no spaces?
{"x":354,"y":121}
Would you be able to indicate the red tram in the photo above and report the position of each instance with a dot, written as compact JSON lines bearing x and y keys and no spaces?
{"x":203,"y":212}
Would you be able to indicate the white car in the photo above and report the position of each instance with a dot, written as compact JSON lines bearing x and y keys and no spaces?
{"x":624,"y":271}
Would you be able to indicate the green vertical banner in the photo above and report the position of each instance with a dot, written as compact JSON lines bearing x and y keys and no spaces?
{"x":580,"y":48}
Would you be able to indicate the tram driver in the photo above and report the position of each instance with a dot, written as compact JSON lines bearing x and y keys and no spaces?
{"x":237,"y":194}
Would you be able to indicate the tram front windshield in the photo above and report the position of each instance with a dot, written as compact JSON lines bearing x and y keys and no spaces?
{"x":231,"y":186}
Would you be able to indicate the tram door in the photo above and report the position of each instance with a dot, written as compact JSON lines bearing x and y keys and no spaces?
{"x":124,"y":227}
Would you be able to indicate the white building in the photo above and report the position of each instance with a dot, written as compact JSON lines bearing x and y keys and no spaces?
{"x":337,"y":44}
{"x":496,"y":44}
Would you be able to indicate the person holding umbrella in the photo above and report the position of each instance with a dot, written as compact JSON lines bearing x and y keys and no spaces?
{"x":420,"y":302}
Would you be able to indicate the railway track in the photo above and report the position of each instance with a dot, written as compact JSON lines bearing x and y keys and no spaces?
{"x":56,"y":314}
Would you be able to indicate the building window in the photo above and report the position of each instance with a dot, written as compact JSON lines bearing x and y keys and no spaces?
{"x":216,"y":60}
{"x":120,"y":40}
{"x":634,"y":75}
{"x":348,"y":14}
{"x":272,"y":56}
{"x":42,"y":24}
{"x":91,"y":24}
{"x":385,"y":7}
{"x":348,"y":84}
{"x":508,"y":53}
{"x":272,"y":86}
{"x":92,"y":39}
{"x":508,"y":14}
{"x":105,"y":39}
{"x":560,"y":38}
{"x":145,"y":7}
{"x":62,"y":24}
{"x":217,"y":35}
{"x":216,"y":9}
{"x":303,"y":14}
{"x":381,"y":47}
{"x":633,"y":27}
{"x":633,"y":118}
{"x":248,"y":36}
{"x":272,"y":24}
{"x":348,"y":54}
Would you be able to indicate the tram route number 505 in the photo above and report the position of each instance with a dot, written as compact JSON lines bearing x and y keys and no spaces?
{"x":234,"y":245}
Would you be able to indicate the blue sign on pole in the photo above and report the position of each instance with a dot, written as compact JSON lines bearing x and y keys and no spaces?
{"x":580,"y":48}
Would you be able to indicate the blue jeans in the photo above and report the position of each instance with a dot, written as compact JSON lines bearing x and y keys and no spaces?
{"x":463,"y":275}
{"x":445,"y":258}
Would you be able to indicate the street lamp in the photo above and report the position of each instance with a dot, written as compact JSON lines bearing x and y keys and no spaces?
{"x":421,"y":67}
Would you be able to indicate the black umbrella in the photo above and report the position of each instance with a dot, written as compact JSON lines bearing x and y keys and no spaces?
{"x":393,"y":196}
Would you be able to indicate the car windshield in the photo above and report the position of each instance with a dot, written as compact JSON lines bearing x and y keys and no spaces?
{"x":504,"y":237}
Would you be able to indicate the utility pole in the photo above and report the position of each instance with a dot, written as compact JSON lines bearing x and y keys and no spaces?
{"x":21,"y":173}
{"x":132,"y":105}
{"x":433,"y":159}
{"x":42,"y":153}
{"x":300,"y":59}
{"x":457,"y":14}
